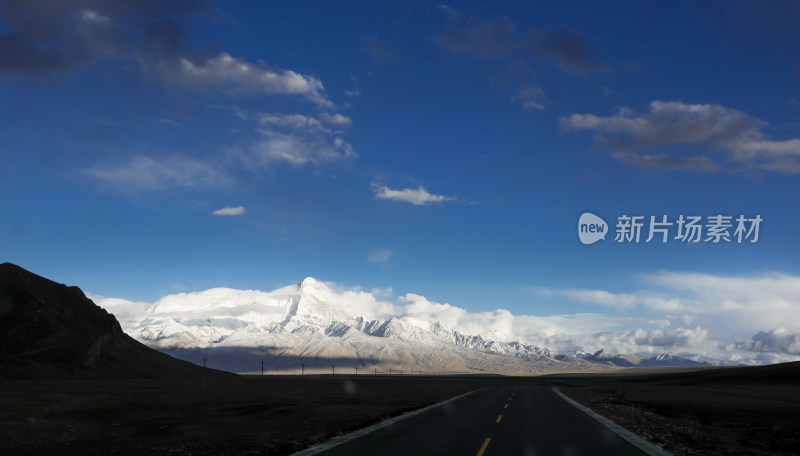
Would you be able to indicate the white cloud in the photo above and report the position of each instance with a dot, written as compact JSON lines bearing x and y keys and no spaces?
{"x":726,"y":309}
{"x":356,"y":92}
{"x":293,"y":121}
{"x":531,"y":97}
{"x":298,"y":151}
{"x":709,"y":129}
{"x":662,"y":323}
{"x":68,"y":34}
{"x":689,"y":342}
{"x":344,"y":147}
{"x":245,"y":78}
{"x":380,"y":256}
{"x":123,"y":309}
{"x":717,"y":312}
{"x":147,"y":173}
{"x":420,"y":308}
{"x":744,"y":304}
{"x":336,"y":119}
{"x":239,"y":210}
{"x":307,"y":141}
{"x":180,"y":171}
{"x":418,"y":197}
{"x":92,"y":16}
{"x":303,"y":122}
{"x":779,"y":340}
{"x":620,"y":301}
{"x":681,"y":337}
{"x":370,"y":304}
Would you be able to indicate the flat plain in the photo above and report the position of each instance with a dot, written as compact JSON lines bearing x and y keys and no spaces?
{"x":753,"y":410}
{"x":730,"y":411}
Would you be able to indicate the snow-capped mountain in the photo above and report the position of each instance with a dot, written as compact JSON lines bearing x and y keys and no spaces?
{"x":666,"y":359}
{"x":309,"y":327}
{"x":603,"y":356}
{"x":661,"y":360}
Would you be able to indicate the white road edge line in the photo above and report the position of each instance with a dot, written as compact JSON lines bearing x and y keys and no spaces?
{"x":336,"y":441}
{"x":632,"y":438}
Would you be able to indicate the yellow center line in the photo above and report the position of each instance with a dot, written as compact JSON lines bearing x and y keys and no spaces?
{"x":483,"y":447}
{"x":505,"y":406}
{"x":499,"y":418}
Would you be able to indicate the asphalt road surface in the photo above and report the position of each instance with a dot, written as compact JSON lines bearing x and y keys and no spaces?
{"x":495,"y":421}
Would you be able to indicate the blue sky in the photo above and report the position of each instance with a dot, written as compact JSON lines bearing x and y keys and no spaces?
{"x":439,"y":149}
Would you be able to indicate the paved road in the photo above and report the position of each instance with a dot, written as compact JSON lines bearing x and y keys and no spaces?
{"x":495,"y":421}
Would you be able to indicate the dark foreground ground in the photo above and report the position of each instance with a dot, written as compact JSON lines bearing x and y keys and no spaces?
{"x":241,"y":416}
{"x":751,"y":411}
{"x":686,"y":413}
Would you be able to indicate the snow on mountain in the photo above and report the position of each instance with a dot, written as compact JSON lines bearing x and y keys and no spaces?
{"x":603,"y":356}
{"x":661,"y":360}
{"x":308,"y":326}
{"x":666,"y":359}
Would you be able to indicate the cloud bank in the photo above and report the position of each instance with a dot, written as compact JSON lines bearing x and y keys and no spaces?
{"x":678,"y":136}
{"x":142,"y":172}
{"x":707,"y":319}
{"x":47,"y":38}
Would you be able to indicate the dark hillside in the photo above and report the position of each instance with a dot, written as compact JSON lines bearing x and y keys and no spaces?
{"x":50,"y":330}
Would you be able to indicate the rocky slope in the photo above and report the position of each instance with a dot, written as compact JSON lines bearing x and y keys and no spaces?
{"x":49,"y":330}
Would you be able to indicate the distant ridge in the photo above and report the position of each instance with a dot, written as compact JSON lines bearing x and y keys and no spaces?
{"x":310,"y":327}
{"x":50,"y":330}
{"x":661,"y":360}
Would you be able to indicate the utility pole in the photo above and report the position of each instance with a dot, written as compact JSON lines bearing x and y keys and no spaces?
{"x":376,"y":371}
{"x":204,"y":372}
{"x":333,"y":370}
{"x":303,"y":369}
{"x":262,"y":367}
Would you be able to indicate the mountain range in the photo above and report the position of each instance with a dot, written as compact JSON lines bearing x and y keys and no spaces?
{"x":309,"y":328}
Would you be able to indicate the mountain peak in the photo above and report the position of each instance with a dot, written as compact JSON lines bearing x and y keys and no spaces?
{"x":312,"y":284}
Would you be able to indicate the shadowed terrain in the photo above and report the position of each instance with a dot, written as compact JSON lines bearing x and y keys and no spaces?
{"x":50,"y":330}
{"x":269,"y":415}
{"x":71,"y":382}
{"x":748,"y":410}
{"x":730,"y":411}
